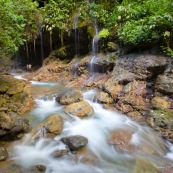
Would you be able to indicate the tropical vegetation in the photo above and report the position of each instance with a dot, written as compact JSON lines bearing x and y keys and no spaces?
{"x":131,"y":22}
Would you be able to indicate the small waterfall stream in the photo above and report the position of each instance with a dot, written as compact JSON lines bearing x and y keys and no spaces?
{"x":94,"y":48}
{"x":108,"y":158}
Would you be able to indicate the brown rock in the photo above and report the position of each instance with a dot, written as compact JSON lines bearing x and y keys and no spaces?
{"x":113,"y":89}
{"x":53,"y":124}
{"x":81,"y":109}
{"x":103,"y":98}
{"x":160,"y":103}
{"x":70,"y":96}
{"x":84,"y":155}
{"x":15,"y":89}
{"x":121,"y":138}
{"x":144,"y":166}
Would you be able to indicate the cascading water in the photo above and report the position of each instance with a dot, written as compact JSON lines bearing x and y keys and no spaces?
{"x":94,"y":48}
{"x":106,"y":158}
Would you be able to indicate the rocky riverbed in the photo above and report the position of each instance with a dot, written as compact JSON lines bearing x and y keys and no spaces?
{"x":139,"y":86}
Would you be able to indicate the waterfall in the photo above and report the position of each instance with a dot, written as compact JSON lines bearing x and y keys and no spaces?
{"x":41,"y":43}
{"x":76,"y":35}
{"x":94,"y":48}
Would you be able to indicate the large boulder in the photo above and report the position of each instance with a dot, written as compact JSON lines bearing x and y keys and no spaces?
{"x":53,"y":125}
{"x":81,"y":109}
{"x":75,"y":142}
{"x":69,"y":96}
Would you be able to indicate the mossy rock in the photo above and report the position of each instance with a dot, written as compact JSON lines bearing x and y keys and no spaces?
{"x":161,"y":119}
{"x":19,"y":97}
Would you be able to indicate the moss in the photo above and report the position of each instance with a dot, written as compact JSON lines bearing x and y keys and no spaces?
{"x":19,"y":97}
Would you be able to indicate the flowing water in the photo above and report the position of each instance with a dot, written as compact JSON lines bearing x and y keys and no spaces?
{"x":94,"y":48}
{"x":106,"y":158}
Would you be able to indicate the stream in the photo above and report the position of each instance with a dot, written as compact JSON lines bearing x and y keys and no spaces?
{"x":104,"y":157}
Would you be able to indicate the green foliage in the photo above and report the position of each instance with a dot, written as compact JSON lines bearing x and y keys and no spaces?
{"x":17,"y":21}
{"x":134,"y":22}
{"x":144,"y":21}
{"x":104,"y":33}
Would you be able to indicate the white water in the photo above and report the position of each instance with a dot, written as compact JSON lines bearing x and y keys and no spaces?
{"x":94,"y":48}
{"x":97,"y":130}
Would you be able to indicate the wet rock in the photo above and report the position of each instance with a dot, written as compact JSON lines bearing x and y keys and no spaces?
{"x":75,"y":142}
{"x":53,"y":125}
{"x":84,"y":155}
{"x":9,"y":167}
{"x":144,"y":166}
{"x":103,"y":98}
{"x":136,"y":116}
{"x":3,"y":154}
{"x":60,"y":153}
{"x":38,"y":168}
{"x":69,"y":96}
{"x":122,"y":140}
{"x":81,"y":109}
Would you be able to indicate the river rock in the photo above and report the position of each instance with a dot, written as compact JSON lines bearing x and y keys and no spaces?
{"x":69,"y":96}
{"x":84,"y":155}
{"x":81,"y":109}
{"x":3,"y":154}
{"x":75,"y":142}
{"x":37,"y":168}
{"x":121,"y":138}
{"x":104,"y":98}
{"x":144,"y":166}
{"x":53,"y":125}
{"x":60,"y":153}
